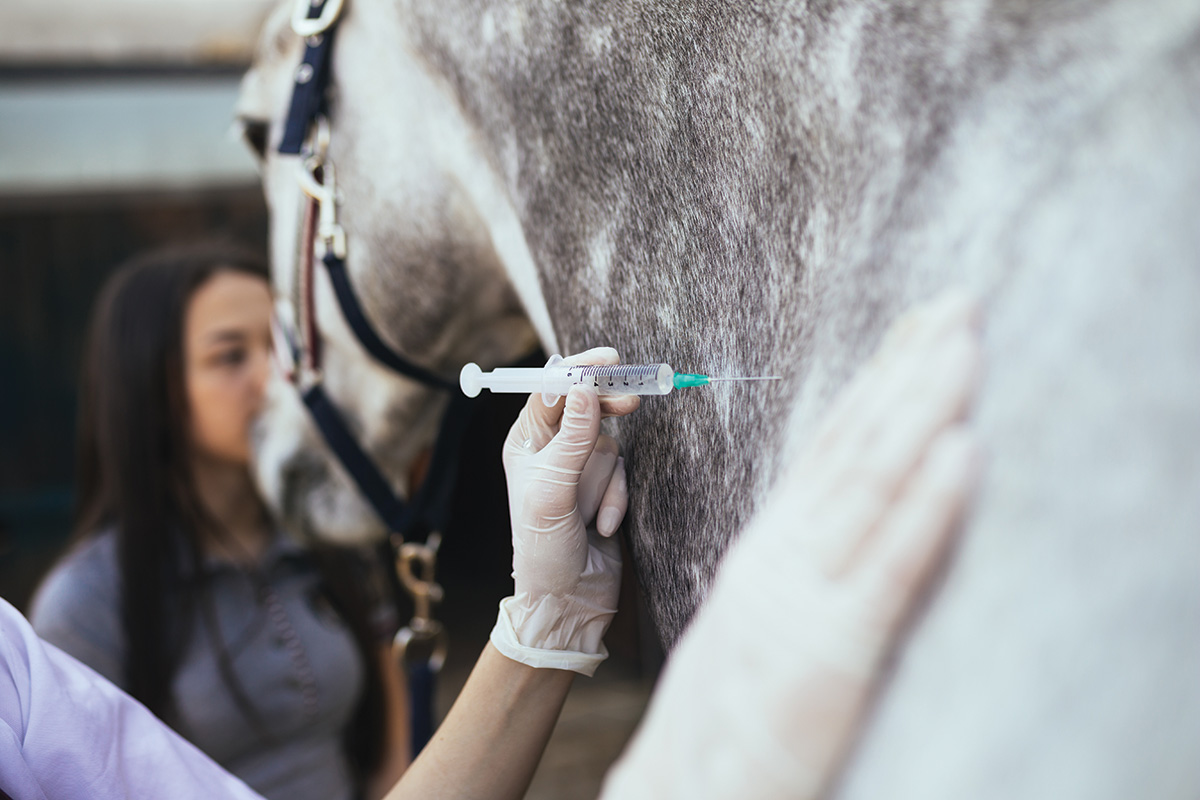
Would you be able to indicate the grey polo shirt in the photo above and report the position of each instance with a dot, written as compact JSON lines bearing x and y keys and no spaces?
{"x":293,"y":657}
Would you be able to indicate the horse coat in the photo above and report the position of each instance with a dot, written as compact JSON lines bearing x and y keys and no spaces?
{"x":759,"y":188}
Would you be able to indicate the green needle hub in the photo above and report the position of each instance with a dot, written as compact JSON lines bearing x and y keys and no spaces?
{"x":683,"y":380}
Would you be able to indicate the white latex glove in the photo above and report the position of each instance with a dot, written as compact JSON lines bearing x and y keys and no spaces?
{"x":567,"y":496}
{"x":763,"y":695}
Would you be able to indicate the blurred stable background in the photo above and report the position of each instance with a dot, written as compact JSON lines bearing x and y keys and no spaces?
{"x":116,"y":136}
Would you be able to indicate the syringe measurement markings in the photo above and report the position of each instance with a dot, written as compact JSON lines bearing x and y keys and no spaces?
{"x":624,"y":371}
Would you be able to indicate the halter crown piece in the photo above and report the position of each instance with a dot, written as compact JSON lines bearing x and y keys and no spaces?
{"x":307,"y":135}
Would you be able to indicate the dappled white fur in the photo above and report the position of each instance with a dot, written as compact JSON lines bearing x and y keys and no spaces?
{"x":760,"y":187}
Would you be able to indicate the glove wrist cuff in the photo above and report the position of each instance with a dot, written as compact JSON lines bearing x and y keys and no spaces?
{"x":580,"y":653}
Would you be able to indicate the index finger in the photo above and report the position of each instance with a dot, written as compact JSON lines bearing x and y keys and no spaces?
{"x":611,"y":405}
{"x":539,"y":422}
{"x":596,"y":355}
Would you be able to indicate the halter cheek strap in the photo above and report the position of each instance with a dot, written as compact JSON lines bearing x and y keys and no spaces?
{"x":312,"y":76}
{"x":365,"y":333}
{"x":306,"y":134}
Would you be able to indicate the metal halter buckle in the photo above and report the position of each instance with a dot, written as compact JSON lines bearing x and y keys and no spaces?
{"x":324,"y":190}
{"x":306,"y":27}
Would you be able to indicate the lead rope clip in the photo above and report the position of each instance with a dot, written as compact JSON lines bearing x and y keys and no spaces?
{"x":415,"y":564}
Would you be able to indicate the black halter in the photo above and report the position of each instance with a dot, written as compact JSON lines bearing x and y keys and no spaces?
{"x":306,"y":134}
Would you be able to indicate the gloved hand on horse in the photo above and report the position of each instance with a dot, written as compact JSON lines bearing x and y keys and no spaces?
{"x":763,"y":695}
{"x":567,"y":496}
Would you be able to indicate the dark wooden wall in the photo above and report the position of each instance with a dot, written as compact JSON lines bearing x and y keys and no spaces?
{"x":54,"y":255}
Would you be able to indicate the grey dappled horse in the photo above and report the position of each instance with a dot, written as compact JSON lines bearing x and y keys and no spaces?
{"x":759,"y":188}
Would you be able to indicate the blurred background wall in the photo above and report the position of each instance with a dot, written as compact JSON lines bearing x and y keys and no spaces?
{"x":115,"y":136}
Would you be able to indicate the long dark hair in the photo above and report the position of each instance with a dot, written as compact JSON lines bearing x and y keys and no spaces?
{"x":134,"y":475}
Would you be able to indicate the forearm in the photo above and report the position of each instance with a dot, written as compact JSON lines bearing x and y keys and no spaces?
{"x":493,"y":737}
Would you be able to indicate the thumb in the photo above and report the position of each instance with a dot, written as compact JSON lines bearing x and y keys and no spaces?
{"x":571,"y":447}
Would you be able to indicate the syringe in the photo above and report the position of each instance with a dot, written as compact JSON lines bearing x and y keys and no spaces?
{"x":556,"y":379}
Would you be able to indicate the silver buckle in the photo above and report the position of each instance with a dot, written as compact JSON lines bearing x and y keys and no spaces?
{"x":306,"y":27}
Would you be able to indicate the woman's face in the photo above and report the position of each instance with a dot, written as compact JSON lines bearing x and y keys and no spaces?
{"x":227,"y":355}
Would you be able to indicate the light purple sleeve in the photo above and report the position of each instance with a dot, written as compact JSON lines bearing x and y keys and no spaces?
{"x":67,"y":733}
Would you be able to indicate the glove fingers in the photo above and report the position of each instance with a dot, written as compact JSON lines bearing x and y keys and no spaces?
{"x":597,"y":355}
{"x":868,"y":469}
{"x":919,"y":529}
{"x":615,"y":502}
{"x":534,"y":428}
{"x":926,"y":388}
{"x":569,"y":450}
{"x":596,"y":477}
{"x":538,"y":422}
{"x":619,"y":405}
{"x":903,"y":354}
{"x":935,"y":391}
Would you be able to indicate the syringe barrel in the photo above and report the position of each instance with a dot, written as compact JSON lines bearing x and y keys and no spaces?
{"x":556,"y":379}
{"x":609,"y":378}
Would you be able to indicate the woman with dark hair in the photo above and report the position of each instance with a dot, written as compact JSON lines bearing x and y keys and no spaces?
{"x":179,"y":588}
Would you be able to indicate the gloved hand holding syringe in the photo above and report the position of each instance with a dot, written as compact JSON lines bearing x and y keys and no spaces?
{"x":556,"y":379}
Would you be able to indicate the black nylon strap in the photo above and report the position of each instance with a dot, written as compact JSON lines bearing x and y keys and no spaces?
{"x":430,"y":510}
{"x":370,"y":481}
{"x":358,"y":322}
{"x":431,"y":506}
{"x":308,"y":93}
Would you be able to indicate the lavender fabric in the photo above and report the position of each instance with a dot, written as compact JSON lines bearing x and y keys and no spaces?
{"x":66,"y":732}
{"x":294,"y":659}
